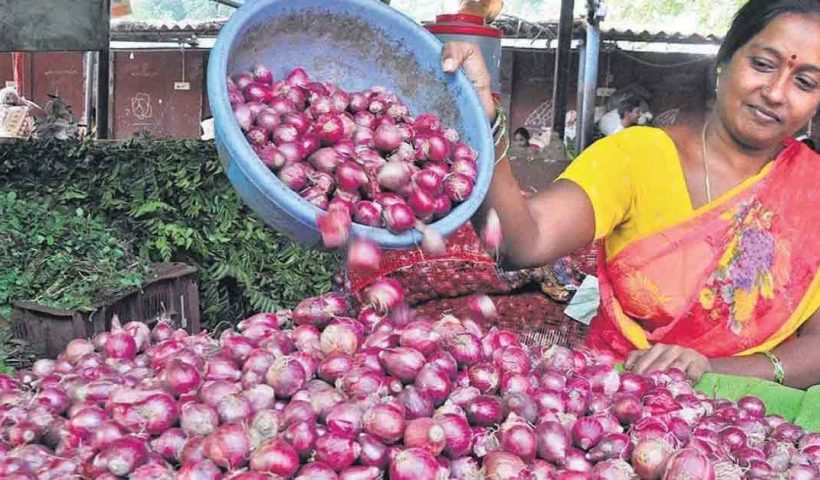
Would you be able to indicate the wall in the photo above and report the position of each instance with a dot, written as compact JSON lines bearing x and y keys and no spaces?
{"x":44,"y":73}
{"x":145,"y":98}
{"x":682,"y":85}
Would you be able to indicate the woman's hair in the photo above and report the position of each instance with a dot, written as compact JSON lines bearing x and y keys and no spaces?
{"x":754,"y":16}
{"x":627,"y":104}
{"x":523,"y":132}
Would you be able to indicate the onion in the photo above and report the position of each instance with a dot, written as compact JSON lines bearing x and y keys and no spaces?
{"x":345,"y":418}
{"x":434,"y":383}
{"x":518,"y":438}
{"x":587,"y":432}
{"x":427,"y":434}
{"x":302,"y":437}
{"x":198,"y":419}
{"x":385,"y":294}
{"x":200,"y":470}
{"x":466,"y":349}
{"x":402,"y":363}
{"x":787,"y":432}
{"x":485,"y":411}
{"x":420,"y":336}
{"x":398,"y":218}
{"x":689,"y":464}
{"x":276,"y":457}
{"x":627,"y":409}
{"x":612,"y":446}
{"x":181,"y":377}
{"x":387,"y":137}
{"x":458,"y":436}
{"x":385,"y":422}
{"x":334,"y":366}
{"x":503,"y":466}
{"x":286,"y":376}
{"x":485,"y":377}
{"x":170,"y":444}
{"x":553,"y":442}
{"x":124,"y":455}
{"x":294,"y":175}
{"x":121,"y":345}
{"x":413,"y":464}
{"x":458,"y":187}
{"x":367,"y":213}
{"x":416,"y":404}
{"x":337,"y":451}
{"x":650,"y":457}
{"x":373,"y":452}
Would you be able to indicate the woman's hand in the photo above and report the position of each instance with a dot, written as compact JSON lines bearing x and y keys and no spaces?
{"x":662,"y":357}
{"x":468,"y":56}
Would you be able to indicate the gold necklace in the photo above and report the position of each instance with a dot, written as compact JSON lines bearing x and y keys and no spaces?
{"x":707,"y":183}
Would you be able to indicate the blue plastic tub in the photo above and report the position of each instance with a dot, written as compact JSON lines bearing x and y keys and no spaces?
{"x":356,"y":44}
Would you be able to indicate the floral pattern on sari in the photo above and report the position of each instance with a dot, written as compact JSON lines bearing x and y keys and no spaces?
{"x":743,"y":279}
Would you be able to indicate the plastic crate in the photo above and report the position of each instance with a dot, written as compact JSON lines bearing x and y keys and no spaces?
{"x":170,"y":289}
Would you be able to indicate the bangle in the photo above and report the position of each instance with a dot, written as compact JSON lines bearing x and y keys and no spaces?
{"x":777,"y":365}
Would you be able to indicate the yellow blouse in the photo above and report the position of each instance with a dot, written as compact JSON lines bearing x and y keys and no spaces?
{"x":635,"y":182}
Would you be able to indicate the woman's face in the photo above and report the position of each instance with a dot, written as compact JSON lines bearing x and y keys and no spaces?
{"x":771,"y":87}
{"x":521,"y":141}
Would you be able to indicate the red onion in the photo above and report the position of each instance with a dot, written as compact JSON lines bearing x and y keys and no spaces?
{"x":427,"y":434}
{"x":465,"y":167}
{"x":385,"y":422}
{"x":286,"y":376}
{"x":385,"y":294}
{"x":485,"y":377}
{"x":458,"y":187}
{"x":650,"y":457}
{"x":518,"y":438}
{"x":553,"y":442}
{"x":387,"y":137}
{"x":402,"y":363}
{"x":124,"y":455}
{"x":302,"y":437}
{"x":434,"y":383}
{"x":612,"y":446}
{"x":503,"y":466}
{"x":458,"y":435}
{"x":399,"y":217}
{"x":367,"y":213}
{"x":257,"y":92}
{"x":120,"y":345}
{"x":787,"y":432}
{"x":627,"y":409}
{"x":337,"y":451}
{"x":373,"y":452}
{"x":294,"y":176}
{"x":276,"y":457}
{"x":466,"y":349}
{"x":428,"y":180}
{"x":170,"y":444}
{"x":181,"y":377}
{"x":197,"y":419}
{"x":689,"y":464}
{"x":413,"y":464}
{"x":200,"y":470}
{"x":587,"y":432}
{"x":427,"y":122}
{"x":345,"y":418}
{"x":416,"y":404}
{"x":485,"y":411}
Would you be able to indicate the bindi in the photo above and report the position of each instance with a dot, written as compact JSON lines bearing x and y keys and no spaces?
{"x":791,"y":61}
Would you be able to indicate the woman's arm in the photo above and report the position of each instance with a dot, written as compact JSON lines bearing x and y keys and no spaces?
{"x":538,"y":230}
{"x":799,"y":356}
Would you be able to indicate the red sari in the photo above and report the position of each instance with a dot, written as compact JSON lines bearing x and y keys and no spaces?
{"x":739,"y":277}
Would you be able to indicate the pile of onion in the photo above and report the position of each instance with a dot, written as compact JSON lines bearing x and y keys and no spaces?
{"x":369,"y":390}
{"x":362,"y":153}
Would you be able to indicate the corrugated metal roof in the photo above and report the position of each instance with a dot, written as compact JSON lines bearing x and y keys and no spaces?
{"x":517,"y":28}
{"x":124,"y":29}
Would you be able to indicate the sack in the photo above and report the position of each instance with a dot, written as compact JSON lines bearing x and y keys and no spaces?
{"x":538,"y":320}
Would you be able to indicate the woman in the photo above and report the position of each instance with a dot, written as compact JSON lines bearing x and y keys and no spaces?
{"x":711,"y":231}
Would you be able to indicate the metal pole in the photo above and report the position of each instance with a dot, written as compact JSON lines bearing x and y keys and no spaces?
{"x":579,"y":98}
{"x":103,"y":77}
{"x":560,"y":83}
{"x":88,"y":91}
{"x":593,"y":46}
